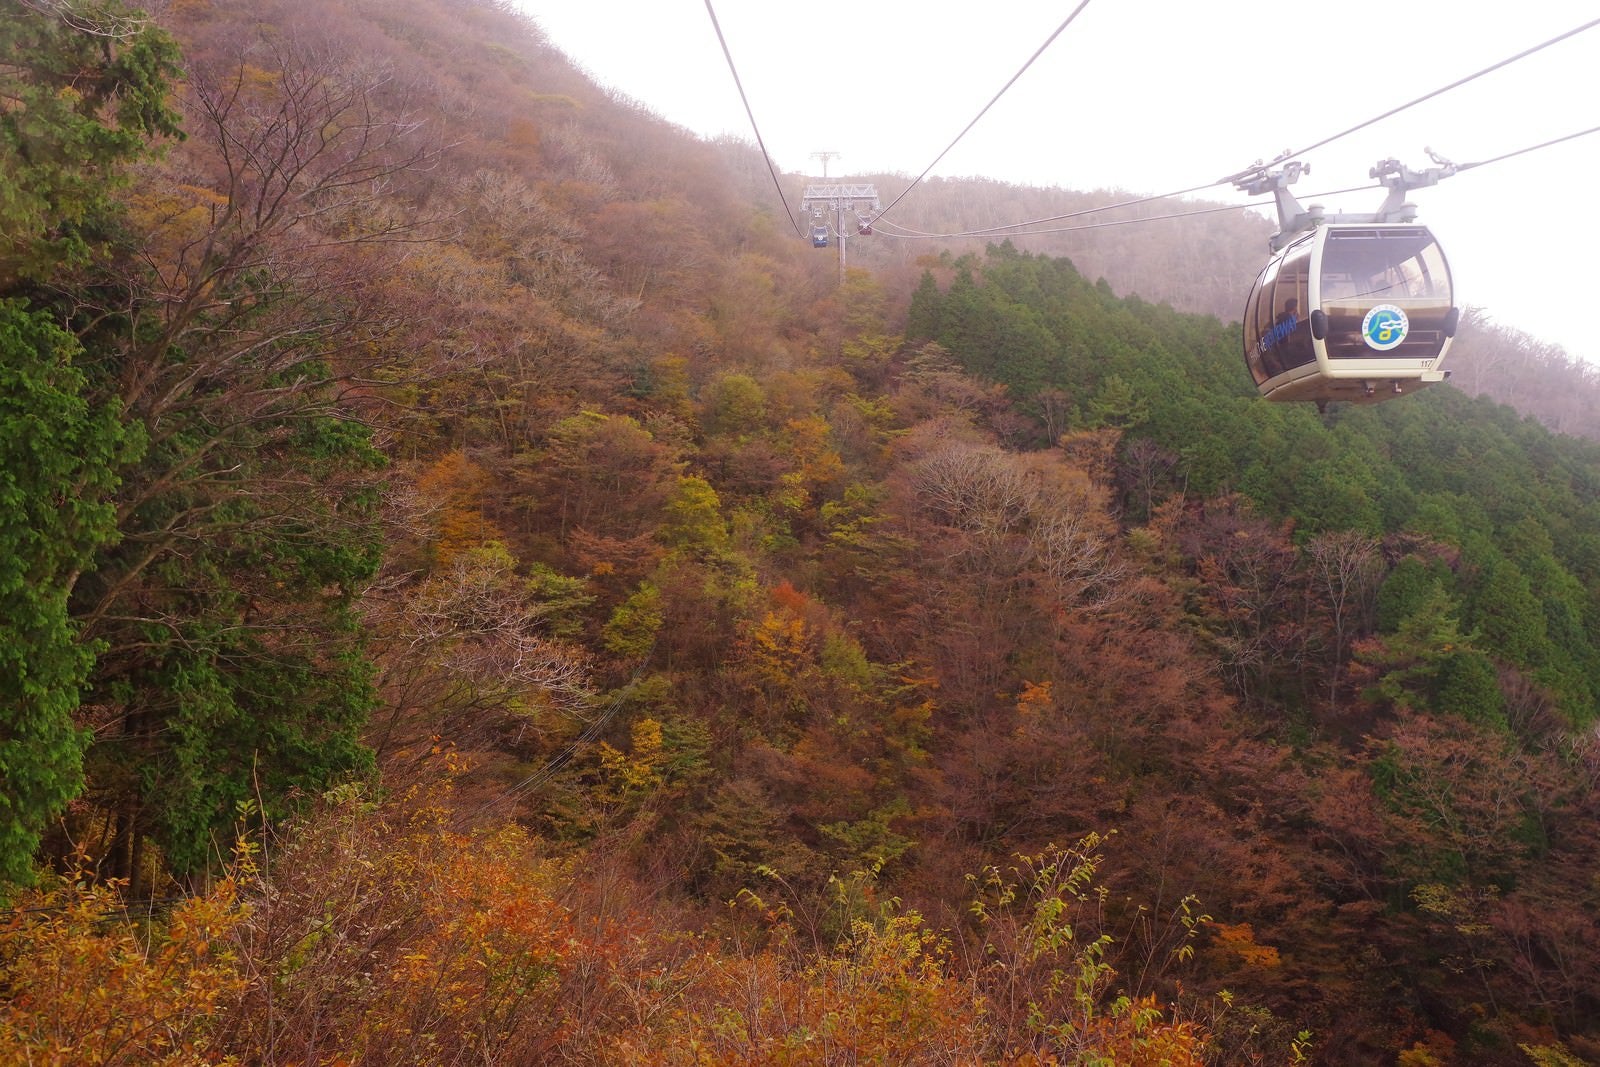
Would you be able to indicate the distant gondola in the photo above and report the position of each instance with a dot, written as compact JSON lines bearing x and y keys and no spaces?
{"x":819,"y":237}
{"x":1355,"y":308}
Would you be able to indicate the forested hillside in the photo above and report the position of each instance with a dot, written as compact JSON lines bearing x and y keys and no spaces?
{"x":475,"y":587}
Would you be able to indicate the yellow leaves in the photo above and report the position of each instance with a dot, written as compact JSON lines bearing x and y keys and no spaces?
{"x":782,"y":638}
{"x":693,"y":517}
{"x":201,"y":196}
{"x":258,"y":80}
{"x":85,"y":985}
{"x":808,"y":439}
{"x":453,"y":273}
{"x":647,"y":741}
{"x":1465,"y":911}
{"x":154,"y":207}
{"x":174,"y":218}
{"x":630,"y":774}
{"x":558,"y":100}
{"x":779,"y":648}
{"x":1556,"y":1055}
{"x":1436,"y":1050}
{"x":417,"y":968}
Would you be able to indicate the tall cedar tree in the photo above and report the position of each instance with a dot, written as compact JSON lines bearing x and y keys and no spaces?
{"x":81,"y":97}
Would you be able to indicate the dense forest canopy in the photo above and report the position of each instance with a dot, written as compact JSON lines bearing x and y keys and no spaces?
{"x":475,"y":587}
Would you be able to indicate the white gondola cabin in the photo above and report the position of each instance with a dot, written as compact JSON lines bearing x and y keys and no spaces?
{"x":1352,"y":307}
{"x":1350,"y":311}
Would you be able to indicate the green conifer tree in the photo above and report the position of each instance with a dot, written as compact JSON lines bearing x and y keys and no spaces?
{"x":85,"y":94}
{"x":56,"y":455}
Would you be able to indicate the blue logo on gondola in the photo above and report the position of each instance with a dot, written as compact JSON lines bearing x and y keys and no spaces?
{"x":1385,"y":327}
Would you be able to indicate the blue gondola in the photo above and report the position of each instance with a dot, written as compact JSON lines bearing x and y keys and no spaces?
{"x":819,"y":237}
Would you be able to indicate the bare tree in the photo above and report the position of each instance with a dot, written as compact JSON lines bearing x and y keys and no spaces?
{"x":251,"y":317}
{"x":470,"y":647}
{"x":1346,"y":567}
{"x":1145,"y":468}
{"x":1022,"y":516}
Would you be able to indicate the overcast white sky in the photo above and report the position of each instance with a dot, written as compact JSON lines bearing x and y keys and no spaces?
{"x":1151,"y":96}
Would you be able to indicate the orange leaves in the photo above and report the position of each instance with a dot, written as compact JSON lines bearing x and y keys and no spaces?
{"x":456,"y":484}
{"x":787,"y":598}
{"x":483,"y":954}
{"x":388,"y":936}
{"x":1240,"y":940}
{"x":1034,"y":698}
{"x":520,"y":133}
{"x":1094,"y":452}
{"x":887,"y":995}
{"x":1136,"y":1032}
{"x":818,"y":465}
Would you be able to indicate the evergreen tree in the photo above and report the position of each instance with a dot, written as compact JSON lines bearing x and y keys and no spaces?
{"x":923,"y":320}
{"x":1403,"y":593}
{"x":56,"y":458}
{"x":1428,"y":664}
{"x":1469,"y":687}
{"x":85,"y":93}
{"x":85,"y":90}
{"x":1509,"y":618}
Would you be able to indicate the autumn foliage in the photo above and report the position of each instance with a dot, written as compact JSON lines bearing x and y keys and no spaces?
{"x":492,"y":596}
{"x":443,"y":945}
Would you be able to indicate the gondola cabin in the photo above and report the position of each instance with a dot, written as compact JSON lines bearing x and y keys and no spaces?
{"x":819,"y":237}
{"x":1357,"y":312}
{"x":1350,"y":307}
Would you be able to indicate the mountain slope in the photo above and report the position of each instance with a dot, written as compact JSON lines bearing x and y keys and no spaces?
{"x":695,"y":577}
